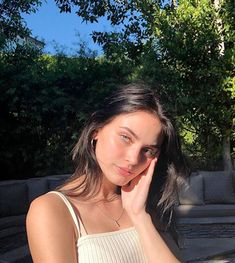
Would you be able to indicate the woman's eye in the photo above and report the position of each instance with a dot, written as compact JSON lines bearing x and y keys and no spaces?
{"x":150,"y":153}
{"x":125,"y":138}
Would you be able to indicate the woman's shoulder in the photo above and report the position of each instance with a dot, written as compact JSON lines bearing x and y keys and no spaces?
{"x":49,"y":207}
{"x":50,"y":228}
{"x":47,"y":201}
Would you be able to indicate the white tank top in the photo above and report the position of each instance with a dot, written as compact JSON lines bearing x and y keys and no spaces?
{"x":122,"y":246}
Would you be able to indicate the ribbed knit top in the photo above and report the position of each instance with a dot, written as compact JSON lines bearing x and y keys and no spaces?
{"x":122,"y":246}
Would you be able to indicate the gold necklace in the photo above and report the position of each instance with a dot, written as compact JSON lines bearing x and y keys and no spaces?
{"x":111,"y":218}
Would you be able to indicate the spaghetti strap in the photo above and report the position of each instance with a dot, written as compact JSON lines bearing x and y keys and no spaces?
{"x":76,"y":219}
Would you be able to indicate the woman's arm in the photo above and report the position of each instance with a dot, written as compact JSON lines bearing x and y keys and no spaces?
{"x":134,"y":198}
{"x":50,"y":231}
{"x":153,"y":244}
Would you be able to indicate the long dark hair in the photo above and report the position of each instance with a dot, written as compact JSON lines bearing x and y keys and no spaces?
{"x":170,"y":168}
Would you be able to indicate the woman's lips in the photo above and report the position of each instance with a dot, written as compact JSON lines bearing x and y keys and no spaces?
{"x":124,"y":171}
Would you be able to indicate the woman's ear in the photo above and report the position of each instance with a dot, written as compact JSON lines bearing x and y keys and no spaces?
{"x":94,"y":139}
{"x":95,"y":135}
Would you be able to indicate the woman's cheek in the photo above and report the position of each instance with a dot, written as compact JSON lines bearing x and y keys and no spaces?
{"x":145,"y":165}
{"x":117,"y":143}
{"x":114,"y":147}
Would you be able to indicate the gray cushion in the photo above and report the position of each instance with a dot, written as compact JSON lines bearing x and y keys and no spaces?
{"x":212,"y":173}
{"x":225,"y":210}
{"x":233,"y":179}
{"x":13,"y":199}
{"x":54,"y":183}
{"x":219,"y":189}
{"x":9,"y":221}
{"x":37,"y":187}
{"x":192,"y":192}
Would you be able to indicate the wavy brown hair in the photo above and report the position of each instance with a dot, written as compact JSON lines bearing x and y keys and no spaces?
{"x":170,"y":167}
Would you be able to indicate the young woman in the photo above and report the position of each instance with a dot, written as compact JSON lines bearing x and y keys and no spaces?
{"x":122,"y":192}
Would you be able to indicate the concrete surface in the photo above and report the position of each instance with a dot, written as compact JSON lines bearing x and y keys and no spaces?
{"x":208,"y":250}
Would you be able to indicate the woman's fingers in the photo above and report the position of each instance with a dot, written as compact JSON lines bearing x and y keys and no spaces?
{"x":134,"y":194}
{"x":148,"y":173}
{"x":128,"y":187}
{"x":144,"y":178}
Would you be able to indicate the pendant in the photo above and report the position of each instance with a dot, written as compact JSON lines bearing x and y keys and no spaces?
{"x":117,"y":223}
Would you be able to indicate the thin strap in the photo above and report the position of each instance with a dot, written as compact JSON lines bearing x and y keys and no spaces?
{"x":76,"y":219}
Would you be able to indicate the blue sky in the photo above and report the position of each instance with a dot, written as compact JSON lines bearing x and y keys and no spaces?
{"x":49,"y":25}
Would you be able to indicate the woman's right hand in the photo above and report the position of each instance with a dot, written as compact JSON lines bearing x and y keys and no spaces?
{"x":134,"y":195}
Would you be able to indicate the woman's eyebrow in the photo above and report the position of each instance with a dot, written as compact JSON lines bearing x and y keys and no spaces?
{"x":130,"y":131}
{"x":137,"y":138}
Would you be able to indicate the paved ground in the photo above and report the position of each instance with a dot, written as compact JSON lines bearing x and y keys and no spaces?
{"x":208,"y":242}
{"x":208,"y":250}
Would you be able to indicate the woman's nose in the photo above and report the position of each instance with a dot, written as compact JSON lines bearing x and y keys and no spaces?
{"x":133,"y":155}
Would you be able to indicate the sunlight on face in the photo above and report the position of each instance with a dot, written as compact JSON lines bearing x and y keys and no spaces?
{"x":126,"y":145}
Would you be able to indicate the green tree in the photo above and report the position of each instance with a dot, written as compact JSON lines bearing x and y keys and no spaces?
{"x":131,"y":18}
{"x":181,"y":41}
{"x":12,"y":25}
{"x":45,"y":101}
{"x":189,"y":41}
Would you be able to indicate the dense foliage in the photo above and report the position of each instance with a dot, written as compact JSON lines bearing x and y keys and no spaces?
{"x":45,"y":101}
{"x":184,"y":51}
{"x":12,"y":25}
{"x":195,"y":42}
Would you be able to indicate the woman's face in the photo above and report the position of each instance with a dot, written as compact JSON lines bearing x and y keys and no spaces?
{"x":127,"y":144}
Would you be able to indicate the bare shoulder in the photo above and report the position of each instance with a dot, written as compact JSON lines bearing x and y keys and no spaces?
{"x":49,"y":209}
{"x":50,"y":230}
{"x":47,"y":205}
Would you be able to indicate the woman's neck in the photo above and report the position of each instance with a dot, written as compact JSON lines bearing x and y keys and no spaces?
{"x":108,"y":191}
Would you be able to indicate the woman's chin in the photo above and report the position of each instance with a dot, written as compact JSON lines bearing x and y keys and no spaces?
{"x":123,"y":183}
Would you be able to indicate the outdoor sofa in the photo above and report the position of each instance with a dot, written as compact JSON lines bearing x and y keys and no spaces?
{"x":15,"y":198}
{"x":207,"y":199}
{"x":205,"y":216}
